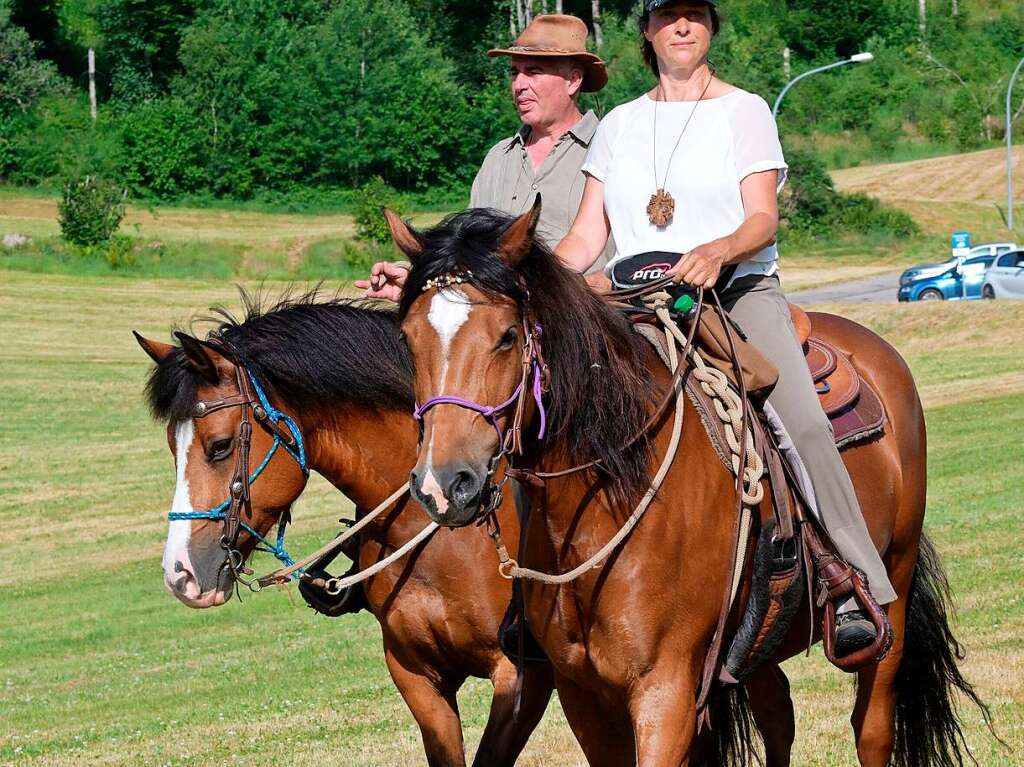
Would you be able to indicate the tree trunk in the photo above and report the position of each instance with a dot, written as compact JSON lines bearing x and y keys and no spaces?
{"x":558,"y":6}
{"x":956,"y":8}
{"x":922,"y":16}
{"x":595,"y":12}
{"x":528,"y":5}
{"x":785,"y":63}
{"x":520,"y":17}
{"x":543,"y":6}
{"x":513,"y":33}
{"x":92,"y":84}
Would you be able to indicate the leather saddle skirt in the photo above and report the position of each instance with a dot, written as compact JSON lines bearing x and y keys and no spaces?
{"x":852,"y":406}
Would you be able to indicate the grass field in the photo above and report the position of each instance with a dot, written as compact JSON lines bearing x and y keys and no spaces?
{"x":100,"y":665}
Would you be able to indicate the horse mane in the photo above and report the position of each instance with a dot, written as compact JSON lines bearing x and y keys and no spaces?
{"x":305,"y":350}
{"x":600,"y":384}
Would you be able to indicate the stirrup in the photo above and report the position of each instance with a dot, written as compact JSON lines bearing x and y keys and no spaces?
{"x":348,"y":601}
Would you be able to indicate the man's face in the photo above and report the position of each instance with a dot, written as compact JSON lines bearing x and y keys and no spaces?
{"x":543,"y":88}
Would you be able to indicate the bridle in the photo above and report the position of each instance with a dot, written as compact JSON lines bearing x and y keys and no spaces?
{"x":534,"y":381}
{"x":239,"y":500}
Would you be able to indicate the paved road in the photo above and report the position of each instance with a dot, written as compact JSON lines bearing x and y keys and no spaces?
{"x":880,"y":289}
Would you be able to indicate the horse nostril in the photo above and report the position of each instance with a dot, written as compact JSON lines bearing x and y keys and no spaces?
{"x":178,"y":566}
{"x":463,"y":487}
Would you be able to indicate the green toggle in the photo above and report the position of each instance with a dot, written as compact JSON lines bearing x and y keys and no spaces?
{"x":684,"y":304}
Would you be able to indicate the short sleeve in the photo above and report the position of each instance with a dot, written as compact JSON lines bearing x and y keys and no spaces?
{"x":756,"y":146}
{"x":599,"y":153}
{"x":475,"y":192}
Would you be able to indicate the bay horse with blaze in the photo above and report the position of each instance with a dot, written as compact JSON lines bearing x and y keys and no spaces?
{"x":628,"y":639}
{"x":340,"y":372}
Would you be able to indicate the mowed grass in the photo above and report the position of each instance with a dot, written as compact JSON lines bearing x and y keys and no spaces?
{"x":100,"y":665}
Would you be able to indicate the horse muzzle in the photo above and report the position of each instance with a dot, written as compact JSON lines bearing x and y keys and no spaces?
{"x":193,"y":586}
{"x":451,"y":494}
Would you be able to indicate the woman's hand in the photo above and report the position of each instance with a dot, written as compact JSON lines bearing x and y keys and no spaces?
{"x":386,"y":281}
{"x":701,"y":267}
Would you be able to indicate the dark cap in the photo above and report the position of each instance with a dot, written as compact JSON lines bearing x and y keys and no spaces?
{"x":653,"y":5}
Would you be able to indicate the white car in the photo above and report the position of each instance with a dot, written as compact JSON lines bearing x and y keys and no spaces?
{"x":1005,"y":278}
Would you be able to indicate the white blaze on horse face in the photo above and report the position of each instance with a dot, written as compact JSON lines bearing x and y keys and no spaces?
{"x":449,"y":310}
{"x":180,"y":531}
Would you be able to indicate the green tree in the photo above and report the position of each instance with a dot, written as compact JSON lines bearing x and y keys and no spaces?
{"x":24,"y":79}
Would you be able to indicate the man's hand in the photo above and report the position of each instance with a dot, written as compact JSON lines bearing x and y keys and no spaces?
{"x":386,"y":281}
{"x":702,"y":265}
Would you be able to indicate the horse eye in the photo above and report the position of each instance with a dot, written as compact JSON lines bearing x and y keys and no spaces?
{"x":220,"y":449}
{"x":508,"y":339}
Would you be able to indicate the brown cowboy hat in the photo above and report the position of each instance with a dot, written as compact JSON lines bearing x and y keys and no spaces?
{"x":555,"y":34}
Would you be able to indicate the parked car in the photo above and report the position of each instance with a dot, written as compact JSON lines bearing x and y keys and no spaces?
{"x":1005,"y":278}
{"x":956,"y":281}
{"x":933,"y":282}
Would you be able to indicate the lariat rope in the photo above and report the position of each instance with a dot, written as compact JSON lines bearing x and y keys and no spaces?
{"x":728,"y":407}
{"x":509,"y":568}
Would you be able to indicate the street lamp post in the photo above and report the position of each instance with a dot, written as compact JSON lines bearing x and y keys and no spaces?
{"x":1009,"y":147}
{"x":856,"y":58}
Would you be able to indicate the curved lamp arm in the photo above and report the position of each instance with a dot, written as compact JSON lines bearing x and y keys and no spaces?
{"x":857,"y":58}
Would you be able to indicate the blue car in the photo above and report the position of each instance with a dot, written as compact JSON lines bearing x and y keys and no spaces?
{"x":950,"y":281}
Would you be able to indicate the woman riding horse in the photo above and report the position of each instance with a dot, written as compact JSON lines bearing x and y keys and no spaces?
{"x":694,"y":196}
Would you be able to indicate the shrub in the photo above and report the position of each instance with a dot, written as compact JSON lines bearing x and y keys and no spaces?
{"x":90,"y":210}
{"x":860,"y":213}
{"x":371,"y":197}
{"x":809,"y":197}
{"x":119,"y":252}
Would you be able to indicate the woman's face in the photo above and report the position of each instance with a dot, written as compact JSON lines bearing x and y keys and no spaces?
{"x":681,"y":34}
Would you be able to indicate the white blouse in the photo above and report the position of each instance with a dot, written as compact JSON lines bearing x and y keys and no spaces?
{"x":729,"y":138}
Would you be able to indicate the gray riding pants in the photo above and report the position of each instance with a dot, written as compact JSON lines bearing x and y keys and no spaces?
{"x":758,"y":306}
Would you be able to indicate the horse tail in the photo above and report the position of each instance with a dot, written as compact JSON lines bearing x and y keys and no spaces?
{"x":726,"y":741}
{"x":928,"y":731}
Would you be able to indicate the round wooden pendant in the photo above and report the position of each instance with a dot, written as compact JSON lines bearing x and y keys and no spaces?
{"x":660,"y":208}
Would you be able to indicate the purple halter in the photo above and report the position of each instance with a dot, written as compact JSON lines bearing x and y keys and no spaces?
{"x":490,"y":412}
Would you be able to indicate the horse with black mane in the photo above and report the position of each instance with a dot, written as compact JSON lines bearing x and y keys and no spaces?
{"x":628,"y":638}
{"x":339,"y":375}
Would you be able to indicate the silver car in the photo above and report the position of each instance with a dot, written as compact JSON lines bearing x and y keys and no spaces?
{"x":1005,"y":278}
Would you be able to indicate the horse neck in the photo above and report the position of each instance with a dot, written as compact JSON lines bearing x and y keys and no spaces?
{"x":367,"y":454}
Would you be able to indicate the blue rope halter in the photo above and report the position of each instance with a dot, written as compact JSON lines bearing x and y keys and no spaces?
{"x":298,"y":454}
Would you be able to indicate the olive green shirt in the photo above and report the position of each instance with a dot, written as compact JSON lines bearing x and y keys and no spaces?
{"x":506,"y":180}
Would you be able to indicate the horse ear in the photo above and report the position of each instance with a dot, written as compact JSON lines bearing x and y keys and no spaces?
{"x":517,"y":240}
{"x":202,"y":358}
{"x":157,"y":350}
{"x":406,"y":238}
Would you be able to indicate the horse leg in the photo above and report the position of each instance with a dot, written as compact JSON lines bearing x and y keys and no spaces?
{"x":664,"y":714}
{"x":506,"y":734}
{"x":874,"y":715}
{"x":433,"y":704}
{"x":604,"y":734}
{"x":772,"y":707}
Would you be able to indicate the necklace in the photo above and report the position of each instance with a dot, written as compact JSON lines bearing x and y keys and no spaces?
{"x":661,"y":206}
